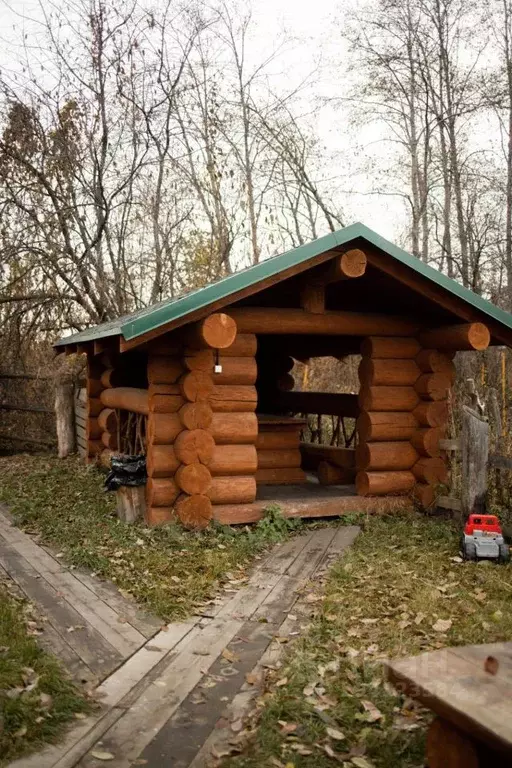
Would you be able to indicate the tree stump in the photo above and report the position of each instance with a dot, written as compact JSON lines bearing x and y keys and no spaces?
{"x":131,"y":503}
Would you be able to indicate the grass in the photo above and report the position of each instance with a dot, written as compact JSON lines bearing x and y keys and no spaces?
{"x":37,"y":700}
{"x":168,"y":570}
{"x":397,"y":592}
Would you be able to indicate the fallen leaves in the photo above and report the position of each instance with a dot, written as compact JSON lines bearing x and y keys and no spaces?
{"x":335,"y":734}
{"x":442,"y":625}
{"x":229,"y":656}
{"x":100,"y":755}
{"x":372,"y":713}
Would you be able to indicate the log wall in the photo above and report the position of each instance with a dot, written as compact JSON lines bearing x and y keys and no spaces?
{"x":202,"y":426}
{"x":404,"y":410}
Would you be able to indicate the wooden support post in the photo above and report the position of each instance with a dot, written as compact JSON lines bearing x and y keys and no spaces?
{"x":312,"y":298}
{"x":65,"y":416}
{"x":475,"y":455}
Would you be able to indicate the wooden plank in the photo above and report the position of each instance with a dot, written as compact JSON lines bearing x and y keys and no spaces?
{"x":56,"y":644}
{"x":111,"y":692}
{"x":28,"y":440}
{"x":194,"y":654}
{"x":25,"y":408}
{"x":101,"y":616}
{"x":26,"y":376}
{"x":95,"y":652}
{"x":237,"y":514}
{"x":449,"y":502}
{"x":475,"y":456}
{"x":121,"y":635}
{"x":82,"y":442}
{"x":449,"y":444}
{"x":146,"y":624}
{"x":500,"y":462}
{"x":77,"y":741}
{"x":451,"y":683}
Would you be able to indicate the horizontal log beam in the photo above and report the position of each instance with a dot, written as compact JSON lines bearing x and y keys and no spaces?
{"x":296,"y":321}
{"x":467,"y":336}
{"x":127,"y":399}
{"x":326,"y":403}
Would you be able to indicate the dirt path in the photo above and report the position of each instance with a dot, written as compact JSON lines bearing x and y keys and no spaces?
{"x":175,"y":697}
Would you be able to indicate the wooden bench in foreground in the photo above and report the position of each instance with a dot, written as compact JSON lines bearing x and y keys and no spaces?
{"x":470,"y":690}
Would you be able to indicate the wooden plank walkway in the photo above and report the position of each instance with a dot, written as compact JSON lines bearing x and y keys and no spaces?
{"x":149,"y":704}
{"x":87,"y":624}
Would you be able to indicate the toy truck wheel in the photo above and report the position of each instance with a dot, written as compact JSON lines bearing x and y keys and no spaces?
{"x":504,"y":556}
{"x":468,"y":550}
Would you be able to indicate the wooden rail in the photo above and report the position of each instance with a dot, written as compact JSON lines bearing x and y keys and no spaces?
{"x":31,"y":440}
{"x":26,"y":376}
{"x":28,"y":408}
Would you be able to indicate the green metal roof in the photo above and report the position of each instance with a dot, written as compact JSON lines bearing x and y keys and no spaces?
{"x":157,"y":315}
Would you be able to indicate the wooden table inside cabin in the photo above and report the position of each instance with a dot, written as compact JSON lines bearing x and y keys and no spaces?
{"x":470,"y":690}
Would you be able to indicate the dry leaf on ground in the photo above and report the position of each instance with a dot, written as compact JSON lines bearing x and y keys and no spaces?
{"x":442,"y":625}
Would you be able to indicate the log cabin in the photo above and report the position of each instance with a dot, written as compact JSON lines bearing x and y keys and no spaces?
{"x":206,"y":380}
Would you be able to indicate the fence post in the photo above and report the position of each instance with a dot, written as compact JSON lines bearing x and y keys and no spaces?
{"x":475,"y":454}
{"x":65,"y":415}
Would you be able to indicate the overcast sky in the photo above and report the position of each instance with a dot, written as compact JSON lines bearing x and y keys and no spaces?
{"x":316,"y":25}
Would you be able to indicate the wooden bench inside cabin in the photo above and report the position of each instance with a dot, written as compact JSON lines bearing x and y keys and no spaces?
{"x":470,"y":690}
{"x":333,"y":465}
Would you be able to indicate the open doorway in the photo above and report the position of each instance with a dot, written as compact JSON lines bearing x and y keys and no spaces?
{"x":307,"y":410}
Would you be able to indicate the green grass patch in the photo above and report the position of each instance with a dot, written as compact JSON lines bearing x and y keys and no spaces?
{"x":37,"y":699}
{"x":168,"y":570}
{"x":397,"y":592}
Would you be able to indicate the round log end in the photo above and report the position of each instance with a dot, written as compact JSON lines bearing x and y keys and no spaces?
{"x":353,"y":263}
{"x":196,"y":386}
{"x":196,"y":415}
{"x":107,"y":420}
{"x":194,"y":478}
{"x":194,"y":512}
{"x":194,"y":445}
{"x":218,"y":330}
{"x":479,"y":336}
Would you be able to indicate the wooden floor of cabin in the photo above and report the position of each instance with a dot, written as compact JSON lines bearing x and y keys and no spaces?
{"x":309,"y":499}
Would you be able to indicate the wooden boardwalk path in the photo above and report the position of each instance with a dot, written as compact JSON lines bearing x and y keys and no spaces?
{"x":173,"y":695}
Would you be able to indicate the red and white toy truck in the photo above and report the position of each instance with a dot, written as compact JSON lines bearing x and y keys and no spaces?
{"x":483,"y":539}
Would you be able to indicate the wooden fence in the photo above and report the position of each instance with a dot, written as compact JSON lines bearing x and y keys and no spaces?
{"x":476,"y":460}
{"x":24,"y":394}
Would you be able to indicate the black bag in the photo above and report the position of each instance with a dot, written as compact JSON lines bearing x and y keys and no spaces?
{"x":126,"y":470}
